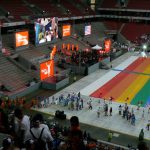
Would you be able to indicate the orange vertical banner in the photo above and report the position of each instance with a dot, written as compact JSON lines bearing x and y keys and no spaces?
{"x":68,"y":47}
{"x":72,"y":47}
{"x":63,"y":46}
{"x":77,"y":47}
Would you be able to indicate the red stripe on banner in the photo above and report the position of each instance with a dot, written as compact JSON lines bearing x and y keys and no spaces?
{"x":101,"y":92}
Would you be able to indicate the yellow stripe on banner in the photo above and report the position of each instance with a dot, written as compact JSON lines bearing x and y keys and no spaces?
{"x":134,"y":88}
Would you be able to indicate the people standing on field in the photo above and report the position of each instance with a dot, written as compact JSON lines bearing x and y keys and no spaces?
{"x":98,"y":112}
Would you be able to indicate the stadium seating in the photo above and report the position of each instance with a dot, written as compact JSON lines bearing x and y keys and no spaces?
{"x":112,"y":25}
{"x":83,"y":6}
{"x":16,"y":8}
{"x":133,"y":30}
{"x":109,"y":4}
{"x":139,"y":4}
{"x":72,"y":8}
{"x":48,"y":7}
{"x":11,"y":76}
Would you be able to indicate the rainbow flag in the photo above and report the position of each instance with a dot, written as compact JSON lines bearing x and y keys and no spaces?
{"x":131,"y":85}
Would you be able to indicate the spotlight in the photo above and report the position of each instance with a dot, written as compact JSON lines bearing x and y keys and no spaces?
{"x":144,"y":47}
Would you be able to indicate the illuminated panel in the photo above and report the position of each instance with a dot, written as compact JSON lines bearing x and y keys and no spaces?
{"x":66,"y":30}
{"x":107,"y":44}
{"x":47,"y":69}
{"x":46,"y":30}
{"x":87,"y":30}
{"x":22,"y":38}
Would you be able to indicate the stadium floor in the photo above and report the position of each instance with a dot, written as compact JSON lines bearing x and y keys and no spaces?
{"x":86,"y":86}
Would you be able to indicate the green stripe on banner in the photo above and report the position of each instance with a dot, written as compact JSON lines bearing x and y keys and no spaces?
{"x":142,"y":95}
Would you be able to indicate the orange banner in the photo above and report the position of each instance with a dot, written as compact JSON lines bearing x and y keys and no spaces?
{"x":66,"y":30}
{"x":47,"y":69}
{"x":22,"y":38}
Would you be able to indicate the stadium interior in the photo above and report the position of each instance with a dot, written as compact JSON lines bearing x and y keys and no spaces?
{"x":48,"y":45}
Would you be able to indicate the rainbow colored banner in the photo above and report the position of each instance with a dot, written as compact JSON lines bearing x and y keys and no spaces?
{"x":131,"y":85}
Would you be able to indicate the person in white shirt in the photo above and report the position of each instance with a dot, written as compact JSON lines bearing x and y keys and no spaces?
{"x":21,"y":125}
{"x":37,"y":129}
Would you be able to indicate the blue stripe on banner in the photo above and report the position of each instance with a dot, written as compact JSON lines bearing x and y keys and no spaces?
{"x":132,"y":72}
{"x":148,"y":102}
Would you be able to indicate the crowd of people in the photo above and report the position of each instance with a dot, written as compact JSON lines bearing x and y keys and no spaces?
{"x":25,"y":131}
{"x":75,"y":102}
{"x":145,"y":38}
{"x":85,"y":57}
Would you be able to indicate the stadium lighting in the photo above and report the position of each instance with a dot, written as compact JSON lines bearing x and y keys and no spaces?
{"x":144,"y":47}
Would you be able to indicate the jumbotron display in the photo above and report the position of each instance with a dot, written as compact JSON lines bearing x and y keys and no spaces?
{"x":87,"y":30}
{"x":46,"y":30}
{"x":21,"y":38}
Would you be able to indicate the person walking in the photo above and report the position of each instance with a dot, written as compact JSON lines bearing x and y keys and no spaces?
{"x":133,"y":119}
{"x":148,"y":125}
{"x":141,"y":135}
{"x":110,"y":111}
{"x":90,"y":104}
{"x":98,"y":112}
{"x":143,"y":113}
{"x":120,"y":109}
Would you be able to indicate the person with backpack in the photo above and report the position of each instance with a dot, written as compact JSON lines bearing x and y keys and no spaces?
{"x":41,"y":136}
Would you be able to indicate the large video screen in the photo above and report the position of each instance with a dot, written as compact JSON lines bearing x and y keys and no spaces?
{"x":46,"y":30}
{"x":66,"y":30}
{"x":87,"y":30}
{"x":46,"y":69}
{"x":22,"y":38}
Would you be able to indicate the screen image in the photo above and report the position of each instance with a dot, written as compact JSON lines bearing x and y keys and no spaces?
{"x":46,"y":69}
{"x":46,"y":30}
{"x":66,"y":30}
{"x":22,"y":38}
{"x":87,"y":30}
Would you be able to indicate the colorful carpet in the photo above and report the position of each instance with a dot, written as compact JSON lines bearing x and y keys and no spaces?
{"x":133,"y":83}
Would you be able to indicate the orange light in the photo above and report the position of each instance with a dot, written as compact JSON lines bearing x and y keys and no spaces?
{"x":107,"y":45}
{"x":52,"y":54}
{"x":77,"y":47}
{"x":22,"y":38}
{"x":63,"y":46}
{"x":66,"y":30}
